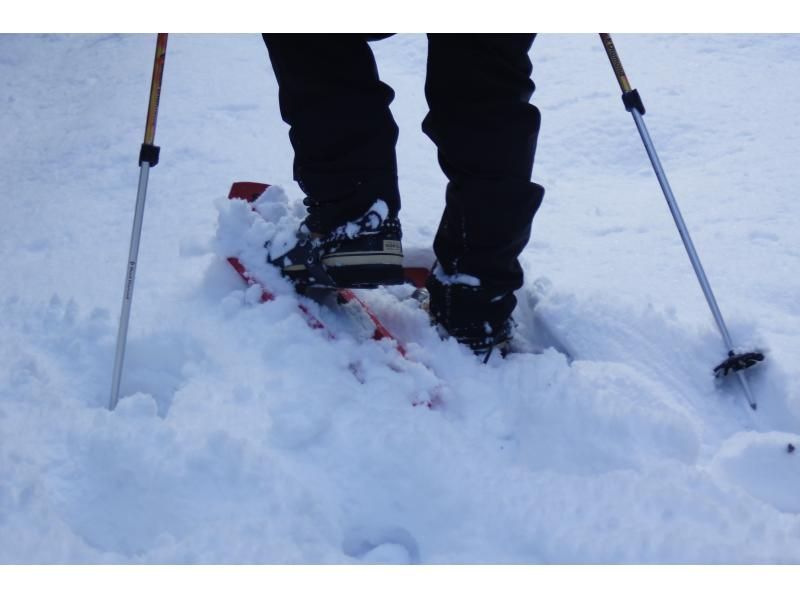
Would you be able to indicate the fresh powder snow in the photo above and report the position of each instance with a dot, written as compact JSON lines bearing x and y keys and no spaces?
{"x":244,"y":436}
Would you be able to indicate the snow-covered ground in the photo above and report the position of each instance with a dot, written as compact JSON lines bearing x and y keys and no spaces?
{"x":243,"y":436}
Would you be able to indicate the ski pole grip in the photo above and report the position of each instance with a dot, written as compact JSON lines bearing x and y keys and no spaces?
{"x":630,"y":96}
{"x":616,"y":63}
{"x":155,"y":89}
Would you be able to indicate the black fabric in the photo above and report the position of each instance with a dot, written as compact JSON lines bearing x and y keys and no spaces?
{"x":342,"y":131}
{"x":478,"y":89}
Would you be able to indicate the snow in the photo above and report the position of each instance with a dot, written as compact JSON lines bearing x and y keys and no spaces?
{"x":244,"y":436}
{"x":450,"y":279}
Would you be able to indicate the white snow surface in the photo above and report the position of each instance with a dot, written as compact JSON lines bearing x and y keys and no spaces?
{"x":244,"y":436}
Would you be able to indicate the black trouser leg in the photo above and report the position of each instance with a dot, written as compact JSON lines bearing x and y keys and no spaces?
{"x":478,"y":89}
{"x":342,"y":131}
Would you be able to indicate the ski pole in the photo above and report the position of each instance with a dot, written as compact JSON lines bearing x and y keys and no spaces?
{"x":735,"y":362}
{"x":148,"y":158}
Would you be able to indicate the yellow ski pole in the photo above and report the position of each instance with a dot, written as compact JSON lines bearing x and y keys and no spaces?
{"x":735,"y":362}
{"x":148,"y":158}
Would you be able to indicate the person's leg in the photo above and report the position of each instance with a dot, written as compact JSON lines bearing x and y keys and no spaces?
{"x":478,"y":89}
{"x":344,"y":137}
{"x":342,"y":131}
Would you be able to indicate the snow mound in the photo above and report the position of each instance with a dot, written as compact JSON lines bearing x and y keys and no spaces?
{"x":764,"y":464}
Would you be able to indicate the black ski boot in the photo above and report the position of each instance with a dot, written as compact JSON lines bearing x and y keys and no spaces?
{"x":475,"y":316}
{"x":363,"y":254}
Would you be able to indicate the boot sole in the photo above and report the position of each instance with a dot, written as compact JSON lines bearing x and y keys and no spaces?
{"x":367,"y":276}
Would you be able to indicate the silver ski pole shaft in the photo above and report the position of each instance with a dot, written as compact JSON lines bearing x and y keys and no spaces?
{"x":633,"y":103}
{"x":148,"y":158}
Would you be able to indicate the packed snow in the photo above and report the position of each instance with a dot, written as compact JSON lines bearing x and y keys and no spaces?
{"x":244,"y":436}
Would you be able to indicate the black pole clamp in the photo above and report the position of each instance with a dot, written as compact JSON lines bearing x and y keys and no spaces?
{"x":149,"y":154}
{"x":632,"y":100}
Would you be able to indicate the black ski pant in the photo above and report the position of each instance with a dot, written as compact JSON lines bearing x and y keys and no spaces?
{"x":478,"y":89}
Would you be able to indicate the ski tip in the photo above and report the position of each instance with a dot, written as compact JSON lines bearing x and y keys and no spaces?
{"x":247,"y":190}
